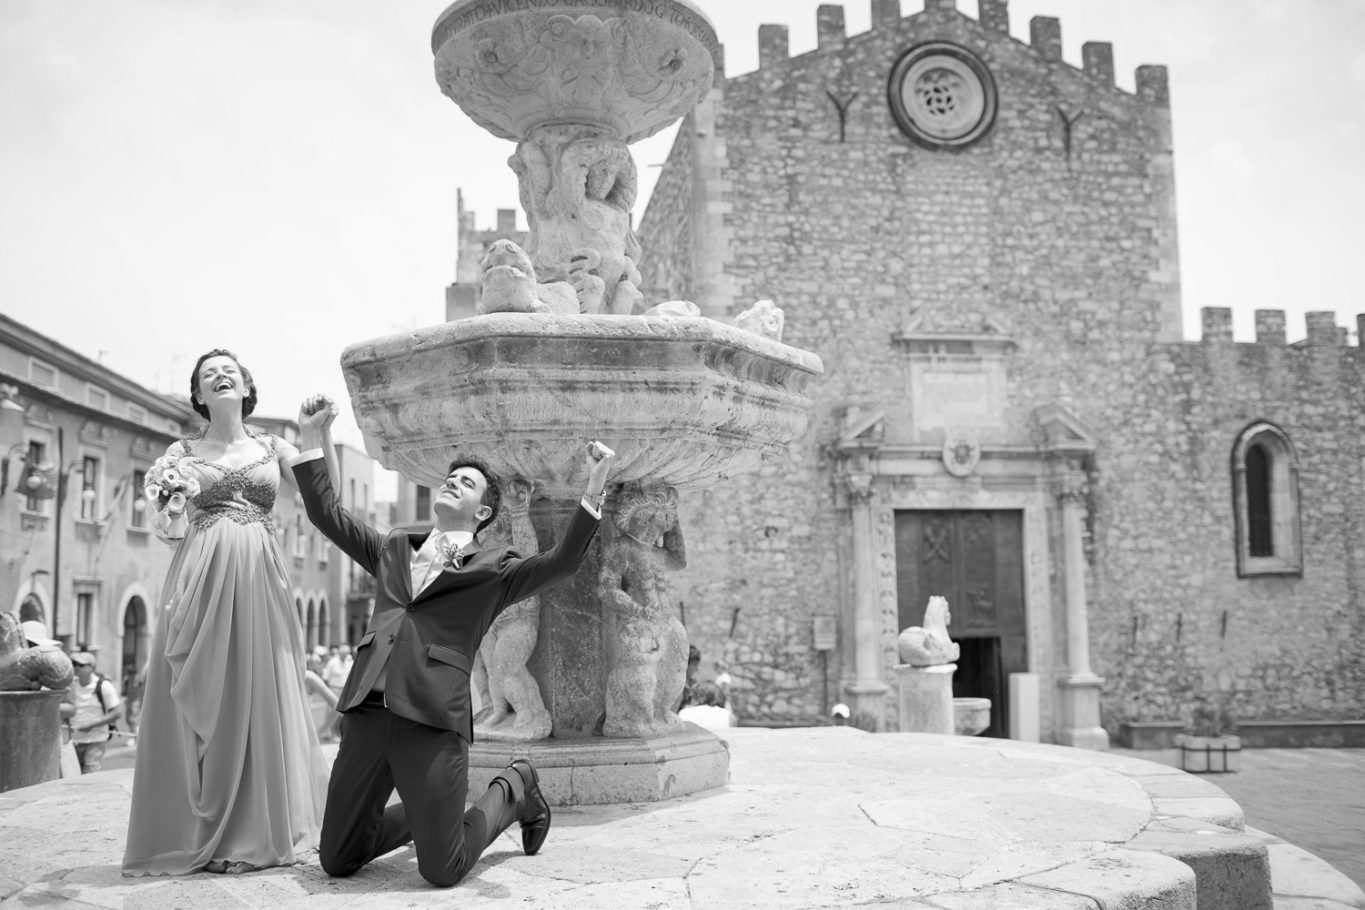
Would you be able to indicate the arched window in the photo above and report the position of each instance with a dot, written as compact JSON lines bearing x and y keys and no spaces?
{"x":1265,"y":493}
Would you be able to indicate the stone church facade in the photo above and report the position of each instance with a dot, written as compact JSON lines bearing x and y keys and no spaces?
{"x":979,"y":240}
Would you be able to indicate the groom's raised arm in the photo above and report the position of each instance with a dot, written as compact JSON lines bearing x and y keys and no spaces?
{"x":311,"y":471}
{"x":523,"y":577}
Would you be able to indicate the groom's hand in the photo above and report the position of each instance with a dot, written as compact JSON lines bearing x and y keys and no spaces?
{"x":317,"y":413}
{"x":599,"y":460}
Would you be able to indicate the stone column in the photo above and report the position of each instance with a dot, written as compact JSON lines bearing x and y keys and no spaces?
{"x":1079,"y":687}
{"x":569,"y":661}
{"x":868,"y":690}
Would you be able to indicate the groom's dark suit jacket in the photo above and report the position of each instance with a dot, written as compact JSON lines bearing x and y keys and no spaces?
{"x":429,"y":641}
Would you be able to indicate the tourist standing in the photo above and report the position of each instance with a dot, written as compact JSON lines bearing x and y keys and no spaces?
{"x":97,"y":708}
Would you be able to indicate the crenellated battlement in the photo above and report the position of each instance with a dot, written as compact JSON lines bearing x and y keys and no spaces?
{"x":773,"y":46}
{"x":1321,"y":327}
{"x":1097,"y":61}
{"x":829,"y":25}
{"x":1045,"y":38}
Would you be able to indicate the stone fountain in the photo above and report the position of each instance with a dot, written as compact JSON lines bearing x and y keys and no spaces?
{"x":564,"y":349}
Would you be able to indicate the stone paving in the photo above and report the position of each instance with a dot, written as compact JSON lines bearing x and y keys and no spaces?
{"x":813,"y":818}
{"x":1313,"y":798}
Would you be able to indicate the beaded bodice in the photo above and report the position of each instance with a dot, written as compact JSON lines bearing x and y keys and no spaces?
{"x":244,"y":494}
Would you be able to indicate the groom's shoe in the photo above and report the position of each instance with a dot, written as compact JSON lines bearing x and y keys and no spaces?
{"x":534,"y":811}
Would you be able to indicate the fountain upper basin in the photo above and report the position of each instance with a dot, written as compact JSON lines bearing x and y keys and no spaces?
{"x":684,"y":401}
{"x":629,"y":66}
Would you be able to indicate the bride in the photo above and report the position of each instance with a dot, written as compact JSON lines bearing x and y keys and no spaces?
{"x":229,"y":775}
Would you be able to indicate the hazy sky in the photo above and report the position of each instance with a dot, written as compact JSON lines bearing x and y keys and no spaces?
{"x":278,"y":176}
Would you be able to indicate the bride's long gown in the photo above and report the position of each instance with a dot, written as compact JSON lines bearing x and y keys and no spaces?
{"x":228,"y":762}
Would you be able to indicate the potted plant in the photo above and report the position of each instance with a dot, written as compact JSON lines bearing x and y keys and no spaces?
{"x":1209,"y":744}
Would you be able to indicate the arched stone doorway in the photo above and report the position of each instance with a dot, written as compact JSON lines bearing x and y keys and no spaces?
{"x":134,"y":636}
{"x":31,"y":609}
{"x":324,"y":623}
{"x":310,"y":626}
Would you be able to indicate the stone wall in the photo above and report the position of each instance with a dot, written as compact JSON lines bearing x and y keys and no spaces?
{"x":1172,"y":618}
{"x":666,"y":265}
{"x":1057,"y":231}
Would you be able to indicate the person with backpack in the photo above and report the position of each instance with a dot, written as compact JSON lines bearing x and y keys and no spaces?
{"x":97,"y":708}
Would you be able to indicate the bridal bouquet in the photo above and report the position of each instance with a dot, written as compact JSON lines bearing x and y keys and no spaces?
{"x":168,"y":486}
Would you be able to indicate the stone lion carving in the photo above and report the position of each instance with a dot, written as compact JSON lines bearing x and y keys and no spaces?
{"x":23,"y":668}
{"x":648,"y":654}
{"x":763,"y":318}
{"x":508,"y":284}
{"x":513,"y":709}
{"x":929,"y":645}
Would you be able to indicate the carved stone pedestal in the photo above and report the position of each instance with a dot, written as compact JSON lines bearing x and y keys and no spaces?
{"x":926,"y":698}
{"x":602,"y":770}
{"x":30,"y":738}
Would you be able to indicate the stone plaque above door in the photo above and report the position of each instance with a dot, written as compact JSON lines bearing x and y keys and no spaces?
{"x":956,"y":381}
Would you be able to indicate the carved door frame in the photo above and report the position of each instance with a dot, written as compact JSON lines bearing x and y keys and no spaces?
{"x":974,"y":558}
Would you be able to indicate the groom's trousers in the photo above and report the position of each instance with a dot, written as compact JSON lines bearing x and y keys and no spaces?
{"x":430,"y":769}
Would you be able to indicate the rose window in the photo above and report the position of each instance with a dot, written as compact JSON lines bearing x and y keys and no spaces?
{"x":942,"y":96}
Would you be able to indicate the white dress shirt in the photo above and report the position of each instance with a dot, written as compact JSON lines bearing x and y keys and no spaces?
{"x":429,"y":559}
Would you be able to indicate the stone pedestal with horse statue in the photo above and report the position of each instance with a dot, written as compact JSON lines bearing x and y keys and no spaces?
{"x":925,"y":679}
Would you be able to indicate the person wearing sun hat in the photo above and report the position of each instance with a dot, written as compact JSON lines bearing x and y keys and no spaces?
{"x":97,"y":707}
{"x":35,"y":635}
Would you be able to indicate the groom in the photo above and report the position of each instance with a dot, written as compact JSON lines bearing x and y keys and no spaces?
{"x":407,"y":722}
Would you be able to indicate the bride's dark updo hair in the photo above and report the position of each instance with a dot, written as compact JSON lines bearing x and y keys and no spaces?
{"x":248,"y":400}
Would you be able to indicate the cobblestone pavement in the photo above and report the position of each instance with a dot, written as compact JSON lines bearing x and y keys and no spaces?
{"x":1312,"y":798}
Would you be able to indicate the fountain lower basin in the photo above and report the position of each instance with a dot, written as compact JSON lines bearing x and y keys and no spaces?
{"x":685,"y":401}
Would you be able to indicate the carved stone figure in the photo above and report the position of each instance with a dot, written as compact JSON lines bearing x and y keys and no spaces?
{"x":929,"y":645}
{"x":513,"y":708}
{"x":763,"y":318}
{"x":508,"y":284}
{"x":23,"y":668}
{"x":674,"y":308}
{"x":648,"y":656}
{"x":577,"y":185}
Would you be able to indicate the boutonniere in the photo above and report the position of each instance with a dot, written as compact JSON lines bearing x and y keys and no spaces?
{"x":449,"y":555}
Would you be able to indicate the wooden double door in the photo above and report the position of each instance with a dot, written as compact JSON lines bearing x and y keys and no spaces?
{"x":974,"y":558}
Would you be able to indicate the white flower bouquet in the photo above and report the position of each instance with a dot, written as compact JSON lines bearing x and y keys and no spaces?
{"x":169,"y":486}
